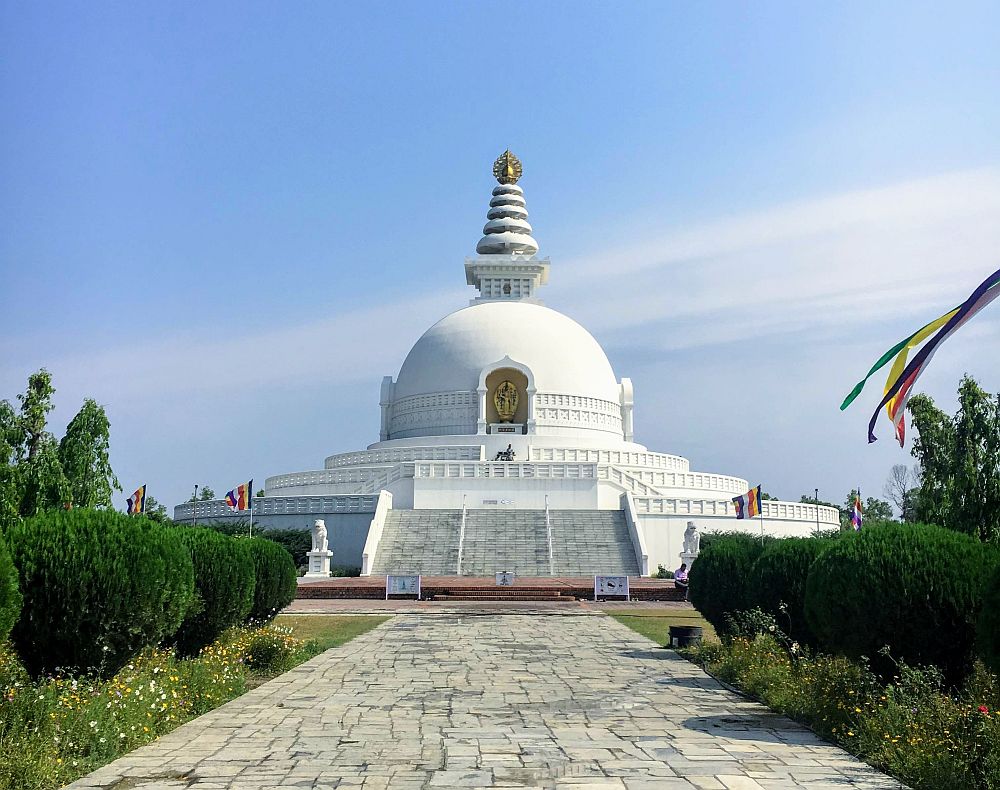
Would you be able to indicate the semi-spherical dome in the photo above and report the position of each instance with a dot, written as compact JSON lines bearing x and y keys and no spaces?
{"x":562,"y":356}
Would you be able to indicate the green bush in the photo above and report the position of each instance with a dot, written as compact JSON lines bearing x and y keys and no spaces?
{"x":989,"y":623}
{"x":720,"y":579}
{"x":913,"y":588}
{"x":275,"y":579}
{"x":10,"y":594}
{"x":224,"y":584}
{"x":98,"y":587}
{"x":779,"y":576}
{"x":296,"y":542}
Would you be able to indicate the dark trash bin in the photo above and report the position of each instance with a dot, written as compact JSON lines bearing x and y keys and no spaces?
{"x":685,"y":635}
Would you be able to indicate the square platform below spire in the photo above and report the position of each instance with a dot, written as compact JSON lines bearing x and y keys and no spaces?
{"x":506,"y":277}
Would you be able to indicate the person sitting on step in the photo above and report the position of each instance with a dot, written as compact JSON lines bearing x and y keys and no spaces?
{"x":681,"y":579}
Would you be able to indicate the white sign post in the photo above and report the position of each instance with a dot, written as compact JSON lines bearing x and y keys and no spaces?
{"x":505,"y":579}
{"x":402,"y":585}
{"x":611,"y":586}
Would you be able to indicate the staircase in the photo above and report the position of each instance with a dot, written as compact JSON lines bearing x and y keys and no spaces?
{"x":505,"y":540}
{"x":419,"y":541}
{"x":584,"y":542}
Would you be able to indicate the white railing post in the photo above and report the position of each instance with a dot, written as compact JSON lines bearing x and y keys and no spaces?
{"x":382,"y":508}
{"x":636,"y":533}
{"x":461,"y":539}
{"x":548,"y":532}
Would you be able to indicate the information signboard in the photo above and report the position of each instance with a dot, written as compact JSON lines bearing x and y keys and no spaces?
{"x":402,"y":585}
{"x":505,"y":579}
{"x":611,"y":587}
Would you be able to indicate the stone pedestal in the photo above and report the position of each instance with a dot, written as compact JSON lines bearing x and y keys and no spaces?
{"x":319,"y":564}
{"x":688,"y":558}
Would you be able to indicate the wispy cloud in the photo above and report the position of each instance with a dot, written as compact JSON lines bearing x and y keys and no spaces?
{"x":876,"y":254}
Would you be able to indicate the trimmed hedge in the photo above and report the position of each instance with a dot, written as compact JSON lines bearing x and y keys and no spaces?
{"x":779,"y":576}
{"x":989,"y":623}
{"x":914,"y":588}
{"x":276,"y":579}
{"x":224,"y":584}
{"x":10,"y":594}
{"x":720,"y":579}
{"x":98,"y":587}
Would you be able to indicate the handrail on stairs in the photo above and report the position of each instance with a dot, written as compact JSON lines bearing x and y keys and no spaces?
{"x":461,"y":539}
{"x":548,"y":531}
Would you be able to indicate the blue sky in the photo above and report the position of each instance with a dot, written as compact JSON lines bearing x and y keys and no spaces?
{"x":226,"y":222}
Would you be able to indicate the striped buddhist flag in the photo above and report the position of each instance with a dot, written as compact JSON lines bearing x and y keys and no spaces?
{"x":137,"y":502}
{"x":748,"y":505}
{"x":241,"y":497}
{"x":856,"y":515}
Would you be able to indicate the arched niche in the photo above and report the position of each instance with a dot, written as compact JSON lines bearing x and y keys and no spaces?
{"x":520,"y":382}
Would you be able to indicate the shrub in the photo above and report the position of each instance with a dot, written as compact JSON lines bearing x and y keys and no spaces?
{"x":224,"y":583}
{"x":914,"y":588}
{"x":10,"y":594}
{"x":296,"y":542}
{"x":98,"y":587}
{"x":989,"y":623}
{"x":779,"y":576}
{"x":269,"y":650}
{"x":720,"y":580}
{"x":275,"y":579}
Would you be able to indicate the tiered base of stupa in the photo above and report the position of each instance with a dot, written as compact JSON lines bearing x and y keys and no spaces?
{"x":443,"y":506}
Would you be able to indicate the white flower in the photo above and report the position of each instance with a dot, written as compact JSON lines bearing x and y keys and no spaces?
{"x":93,"y":724}
{"x":102,"y":740}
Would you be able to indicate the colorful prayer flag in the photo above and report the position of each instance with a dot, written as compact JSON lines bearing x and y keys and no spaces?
{"x":137,"y":502}
{"x":241,"y":497}
{"x":898,"y":392}
{"x":902,"y":376}
{"x":748,"y":505}
{"x":856,"y":515}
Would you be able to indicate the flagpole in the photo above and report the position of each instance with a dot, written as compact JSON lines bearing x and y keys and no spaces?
{"x":250,"y":497}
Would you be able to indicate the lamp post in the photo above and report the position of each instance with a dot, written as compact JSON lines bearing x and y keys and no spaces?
{"x":817,"y":511}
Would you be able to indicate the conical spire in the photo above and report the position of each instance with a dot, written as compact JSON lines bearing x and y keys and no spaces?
{"x":507,"y":231}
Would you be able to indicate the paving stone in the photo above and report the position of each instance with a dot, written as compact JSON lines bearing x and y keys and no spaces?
{"x":491,"y":701}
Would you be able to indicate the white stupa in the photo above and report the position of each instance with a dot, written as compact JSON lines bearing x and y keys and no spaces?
{"x":506,"y":443}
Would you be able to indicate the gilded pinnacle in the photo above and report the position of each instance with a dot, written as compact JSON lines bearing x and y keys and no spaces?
{"x":507,"y":168}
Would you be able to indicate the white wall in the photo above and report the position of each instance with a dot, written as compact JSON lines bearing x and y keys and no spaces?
{"x":513,"y":493}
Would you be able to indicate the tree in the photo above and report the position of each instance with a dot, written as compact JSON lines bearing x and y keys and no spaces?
{"x":83,"y":453}
{"x":156,"y":511}
{"x":9,"y":483}
{"x":41,"y":483}
{"x":36,"y":403}
{"x":899,"y":487}
{"x":764,"y":496}
{"x":872,"y":508}
{"x":204,"y":494}
{"x":959,"y":462}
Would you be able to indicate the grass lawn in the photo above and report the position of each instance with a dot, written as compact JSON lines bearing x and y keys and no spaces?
{"x":328,"y":630}
{"x":655,"y":623}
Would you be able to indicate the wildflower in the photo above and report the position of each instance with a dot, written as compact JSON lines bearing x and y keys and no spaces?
{"x":983,"y":709}
{"x":93,"y":724}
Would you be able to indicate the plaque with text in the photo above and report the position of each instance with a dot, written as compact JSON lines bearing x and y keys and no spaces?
{"x":505,"y":579}
{"x":402,"y":585}
{"x":611,"y":587}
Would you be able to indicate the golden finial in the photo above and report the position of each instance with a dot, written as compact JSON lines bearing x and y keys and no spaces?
{"x":507,"y":168}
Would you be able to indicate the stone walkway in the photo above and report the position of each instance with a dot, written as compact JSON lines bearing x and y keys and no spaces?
{"x":514,"y":701}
